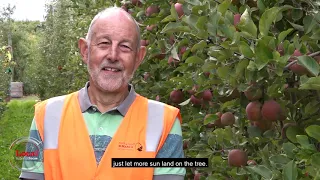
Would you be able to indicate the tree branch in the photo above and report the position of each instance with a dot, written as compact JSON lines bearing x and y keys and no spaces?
{"x":296,"y":60}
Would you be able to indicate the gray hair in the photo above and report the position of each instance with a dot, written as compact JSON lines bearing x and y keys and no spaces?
{"x":112,"y":9}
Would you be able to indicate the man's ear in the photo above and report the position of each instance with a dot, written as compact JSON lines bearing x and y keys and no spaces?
{"x":83,"y":47}
{"x":140,"y":56}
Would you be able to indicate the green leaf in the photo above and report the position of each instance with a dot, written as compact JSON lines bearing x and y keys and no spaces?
{"x":228,"y":104}
{"x":223,"y":7}
{"x":191,"y":20}
{"x":266,"y":20}
{"x":288,"y":149}
{"x":185,"y":102}
{"x":209,"y":66}
{"x":315,"y":160}
{"x":246,"y":25}
{"x":311,"y":107}
{"x":200,"y":45}
{"x":245,"y":50}
{"x":292,"y":133}
{"x":175,"y":27}
{"x":261,"y":170}
{"x":223,"y":72}
{"x":228,"y":31}
{"x":284,"y":34}
{"x":212,"y":23}
{"x":309,"y":63}
{"x":296,"y":26}
{"x":254,"y":131}
{"x":263,"y":55}
{"x":252,"y":66}
{"x":296,"y":14}
{"x":316,"y":35}
{"x":194,"y":60}
{"x":168,"y":19}
{"x":303,"y":140}
{"x":279,"y":159}
{"x":241,"y":66}
{"x":236,"y":38}
{"x":290,"y":171}
{"x":210,"y":119}
{"x":193,"y":2}
{"x":308,"y":23}
{"x":173,"y":12}
{"x":312,"y":84}
{"x":314,"y":131}
{"x":201,"y":23}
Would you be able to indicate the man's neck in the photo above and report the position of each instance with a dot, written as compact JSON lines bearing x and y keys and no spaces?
{"x":106,"y":101}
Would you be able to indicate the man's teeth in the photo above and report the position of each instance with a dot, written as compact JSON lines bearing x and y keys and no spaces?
{"x":111,"y":69}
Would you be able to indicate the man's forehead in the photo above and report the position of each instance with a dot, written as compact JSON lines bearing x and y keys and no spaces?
{"x":112,"y":20}
{"x":116,"y":15}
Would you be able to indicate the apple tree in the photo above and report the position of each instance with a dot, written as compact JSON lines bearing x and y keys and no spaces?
{"x":245,"y":75}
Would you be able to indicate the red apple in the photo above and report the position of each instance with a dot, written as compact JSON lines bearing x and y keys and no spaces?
{"x":182,"y":50}
{"x":157,"y":98}
{"x":151,"y":27}
{"x":171,"y":39}
{"x":144,"y":42}
{"x":207,"y":74}
{"x":136,"y":2}
{"x":237,"y":158}
{"x":179,"y":9}
{"x":176,"y":96}
{"x":146,"y":76}
{"x":152,"y":10}
{"x":253,"y":111}
{"x":207,"y":95}
{"x":162,"y":55}
{"x":271,"y":110}
{"x":263,"y":124}
{"x":172,"y":61}
{"x":236,"y":19}
{"x":195,"y":101}
{"x":227,"y":119}
{"x":193,"y":90}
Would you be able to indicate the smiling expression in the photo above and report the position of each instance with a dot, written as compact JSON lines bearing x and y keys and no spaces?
{"x":113,"y":52}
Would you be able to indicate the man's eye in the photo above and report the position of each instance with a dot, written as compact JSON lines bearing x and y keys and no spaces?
{"x":125,"y":47}
{"x":104,"y":43}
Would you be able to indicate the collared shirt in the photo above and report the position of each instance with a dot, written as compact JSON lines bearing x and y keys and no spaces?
{"x":103,"y":125}
{"x":85,"y":102}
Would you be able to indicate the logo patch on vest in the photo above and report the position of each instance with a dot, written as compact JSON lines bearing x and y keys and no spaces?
{"x":130,"y":146}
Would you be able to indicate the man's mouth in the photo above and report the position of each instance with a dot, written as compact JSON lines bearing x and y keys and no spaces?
{"x":111,"y":69}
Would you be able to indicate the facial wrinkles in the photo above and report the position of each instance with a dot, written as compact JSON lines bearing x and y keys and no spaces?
{"x":109,"y":83}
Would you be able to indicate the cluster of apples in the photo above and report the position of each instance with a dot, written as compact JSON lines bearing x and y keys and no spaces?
{"x":262,"y":115}
{"x":197,"y":99}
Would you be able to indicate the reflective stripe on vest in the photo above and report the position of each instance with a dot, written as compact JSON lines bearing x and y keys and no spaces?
{"x":53,"y":115}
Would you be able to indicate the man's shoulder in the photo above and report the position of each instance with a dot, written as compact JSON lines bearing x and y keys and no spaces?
{"x":159,"y":104}
{"x":53,"y":100}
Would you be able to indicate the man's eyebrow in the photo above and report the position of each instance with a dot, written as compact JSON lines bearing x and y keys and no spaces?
{"x":108,"y":37}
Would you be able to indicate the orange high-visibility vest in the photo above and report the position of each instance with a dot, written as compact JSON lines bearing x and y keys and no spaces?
{"x":68,"y":152}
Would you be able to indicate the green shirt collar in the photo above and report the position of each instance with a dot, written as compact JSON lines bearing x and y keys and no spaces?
{"x":85,"y":103}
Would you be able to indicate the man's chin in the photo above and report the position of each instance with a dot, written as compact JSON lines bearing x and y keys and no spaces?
{"x":111,"y":85}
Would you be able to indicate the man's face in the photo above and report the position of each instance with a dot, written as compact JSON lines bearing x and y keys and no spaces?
{"x":112,"y":53}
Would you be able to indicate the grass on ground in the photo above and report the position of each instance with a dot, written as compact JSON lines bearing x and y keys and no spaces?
{"x":15,"y":123}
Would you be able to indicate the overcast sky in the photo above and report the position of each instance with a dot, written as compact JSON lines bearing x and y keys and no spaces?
{"x":26,"y":9}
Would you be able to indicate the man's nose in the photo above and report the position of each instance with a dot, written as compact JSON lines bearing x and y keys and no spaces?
{"x":113,"y":52}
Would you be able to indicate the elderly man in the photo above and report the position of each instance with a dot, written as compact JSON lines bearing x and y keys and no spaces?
{"x":81,"y":132}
